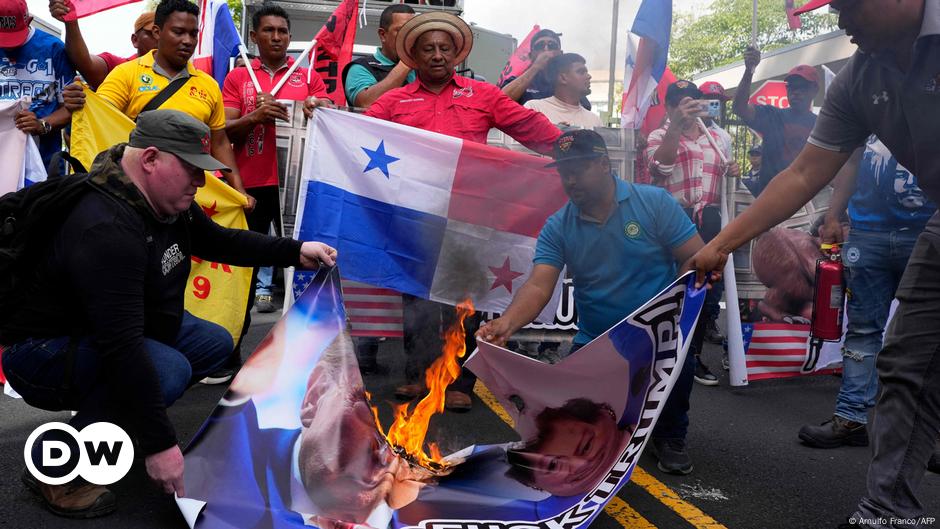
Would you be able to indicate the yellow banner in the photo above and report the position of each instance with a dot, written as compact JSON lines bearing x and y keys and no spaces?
{"x":216,"y":292}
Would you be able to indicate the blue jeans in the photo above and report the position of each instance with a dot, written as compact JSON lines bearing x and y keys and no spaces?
{"x":36,"y":369}
{"x":264,"y":284}
{"x":874,"y":263}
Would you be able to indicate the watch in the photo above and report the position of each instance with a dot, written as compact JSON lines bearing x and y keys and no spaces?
{"x":46,"y":127}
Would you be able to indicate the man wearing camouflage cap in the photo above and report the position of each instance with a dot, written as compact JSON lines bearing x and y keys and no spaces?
{"x":103,"y":330}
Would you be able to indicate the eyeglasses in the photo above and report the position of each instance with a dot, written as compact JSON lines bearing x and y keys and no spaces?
{"x":546,"y":45}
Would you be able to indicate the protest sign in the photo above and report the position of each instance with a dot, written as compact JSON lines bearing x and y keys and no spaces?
{"x":334,"y":47}
{"x":294,"y":441}
{"x":518,"y":63}
{"x":216,"y":292}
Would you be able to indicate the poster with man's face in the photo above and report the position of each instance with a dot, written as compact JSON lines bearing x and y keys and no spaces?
{"x":296,"y":442}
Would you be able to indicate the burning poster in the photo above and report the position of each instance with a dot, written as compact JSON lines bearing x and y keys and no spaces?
{"x":296,"y":441}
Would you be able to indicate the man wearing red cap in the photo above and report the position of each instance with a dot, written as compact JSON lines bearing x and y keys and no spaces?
{"x":784,"y":130}
{"x":94,"y":68}
{"x":33,"y":68}
{"x":891,"y":88}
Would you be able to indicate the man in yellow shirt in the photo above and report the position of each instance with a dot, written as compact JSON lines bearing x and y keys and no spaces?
{"x":132,"y":85}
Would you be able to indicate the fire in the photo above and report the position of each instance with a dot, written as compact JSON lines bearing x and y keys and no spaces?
{"x":410,"y":428}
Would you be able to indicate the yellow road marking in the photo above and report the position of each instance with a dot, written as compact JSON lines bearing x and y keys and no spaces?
{"x":616,"y":508}
{"x":670,"y":499}
{"x":625,"y":515}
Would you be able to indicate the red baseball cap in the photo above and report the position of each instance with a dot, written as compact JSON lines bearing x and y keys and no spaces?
{"x":811,"y":5}
{"x":805,"y":71}
{"x":714,"y":88}
{"x":14,"y":23}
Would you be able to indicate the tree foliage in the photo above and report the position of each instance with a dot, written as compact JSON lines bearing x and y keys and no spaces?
{"x":719,"y":35}
{"x":235,"y":6}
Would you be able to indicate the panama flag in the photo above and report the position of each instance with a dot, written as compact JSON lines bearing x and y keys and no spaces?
{"x":218,"y":39}
{"x":646,"y":60}
{"x":423,"y":213}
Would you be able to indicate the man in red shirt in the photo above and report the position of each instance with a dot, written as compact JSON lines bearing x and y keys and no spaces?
{"x":250,"y":124}
{"x":94,"y":68}
{"x":433,"y":44}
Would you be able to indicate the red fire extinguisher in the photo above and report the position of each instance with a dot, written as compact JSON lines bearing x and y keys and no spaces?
{"x":828,"y":303}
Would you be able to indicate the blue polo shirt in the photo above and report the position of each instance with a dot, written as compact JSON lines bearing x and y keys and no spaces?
{"x":621,"y":264}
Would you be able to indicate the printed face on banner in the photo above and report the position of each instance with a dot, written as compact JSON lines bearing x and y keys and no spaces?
{"x":296,"y":440}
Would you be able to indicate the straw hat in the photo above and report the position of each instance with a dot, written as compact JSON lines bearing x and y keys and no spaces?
{"x":417,"y":26}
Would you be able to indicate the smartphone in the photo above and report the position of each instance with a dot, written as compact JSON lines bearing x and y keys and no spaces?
{"x":710,"y":108}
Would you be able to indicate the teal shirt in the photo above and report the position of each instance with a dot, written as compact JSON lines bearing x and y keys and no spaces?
{"x":617,"y":266}
{"x":358,"y":78}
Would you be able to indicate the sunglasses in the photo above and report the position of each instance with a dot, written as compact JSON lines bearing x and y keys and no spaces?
{"x":546,"y":45}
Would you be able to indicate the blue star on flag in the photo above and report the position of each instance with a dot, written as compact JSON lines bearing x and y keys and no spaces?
{"x":301,"y":281}
{"x":379,"y":159}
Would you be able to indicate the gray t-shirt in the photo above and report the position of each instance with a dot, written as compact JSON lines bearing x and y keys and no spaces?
{"x":872,"y":96}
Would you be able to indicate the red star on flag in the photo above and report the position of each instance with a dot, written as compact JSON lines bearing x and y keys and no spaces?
{"x":210,"y":211}
{"x":504,"y":276}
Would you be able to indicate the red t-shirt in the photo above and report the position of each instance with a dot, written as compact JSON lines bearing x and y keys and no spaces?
{"x":113,"y":60}
{"x":466,"y":109}
{"x":257,"y":155}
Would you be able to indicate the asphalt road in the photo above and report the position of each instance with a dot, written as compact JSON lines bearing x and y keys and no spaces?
{"x":751,"y":472}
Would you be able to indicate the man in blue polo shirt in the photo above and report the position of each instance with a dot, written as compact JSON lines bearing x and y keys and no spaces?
{"x":621,"y":243}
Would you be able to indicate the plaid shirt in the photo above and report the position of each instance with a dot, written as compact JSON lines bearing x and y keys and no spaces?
{"x":694,"y":178}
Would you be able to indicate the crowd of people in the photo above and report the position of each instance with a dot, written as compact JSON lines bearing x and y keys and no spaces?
{"x":103,"y":330}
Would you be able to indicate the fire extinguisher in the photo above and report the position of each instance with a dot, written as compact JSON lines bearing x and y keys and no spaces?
{"x":828,"y":303}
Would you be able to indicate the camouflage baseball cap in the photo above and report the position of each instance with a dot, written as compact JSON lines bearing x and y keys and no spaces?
{"x":177,"y":133}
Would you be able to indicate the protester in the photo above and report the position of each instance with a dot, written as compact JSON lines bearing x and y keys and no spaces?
{"x":534,"y":83}
{"x":887,"y":212}
{"x":366,"y":79}
{"x":439,"y":100}
{"x":713,"y":91}
{"x":572,"y":82}
{"x":755,"y":157}
{"x":873,"y":94}
{"x":21,"y":48}
{"x":250,"y":125}
{"x":113,"y":279}
{"x":644,"y":233}
{"x":683,"y":160}
{"x":133,"y":85}
{"x":784,"y":130}
{"x":94,"y":68}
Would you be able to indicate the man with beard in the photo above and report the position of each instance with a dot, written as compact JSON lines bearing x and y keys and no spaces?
{"x":889,"y":88}
{"x":572,"y":82}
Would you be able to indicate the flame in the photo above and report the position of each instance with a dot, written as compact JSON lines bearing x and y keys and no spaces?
{"x":410,"y":428}
{"x":375,"y":413}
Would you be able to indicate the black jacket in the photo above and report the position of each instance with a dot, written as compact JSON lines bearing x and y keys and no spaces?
{"x":117,"y":274}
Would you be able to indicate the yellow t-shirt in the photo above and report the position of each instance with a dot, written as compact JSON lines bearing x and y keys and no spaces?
{"x":133,"y":84}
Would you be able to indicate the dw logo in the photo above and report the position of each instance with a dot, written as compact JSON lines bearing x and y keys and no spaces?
{"x":102,"y":453}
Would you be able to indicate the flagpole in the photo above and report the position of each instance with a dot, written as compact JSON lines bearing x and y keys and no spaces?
{"x":754,"y":25}
{"x":613,"y":62}
{"x":243,"y":51}
{"x":293,"y":67}
{"x":737,"y":366}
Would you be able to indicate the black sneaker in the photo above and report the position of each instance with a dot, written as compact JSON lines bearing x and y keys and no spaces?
{"x":712,"y":334}
{"x":834,"y":433}
{"x":703,"y":375}
{"x":672,"y":456}
{"x":265,"y":304}
{"x":220,"y":376}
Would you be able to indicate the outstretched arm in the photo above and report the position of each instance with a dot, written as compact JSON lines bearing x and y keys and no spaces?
{"x":525,"y":306}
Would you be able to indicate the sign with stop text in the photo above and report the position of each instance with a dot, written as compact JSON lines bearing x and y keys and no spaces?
{"x":773,"y":93}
